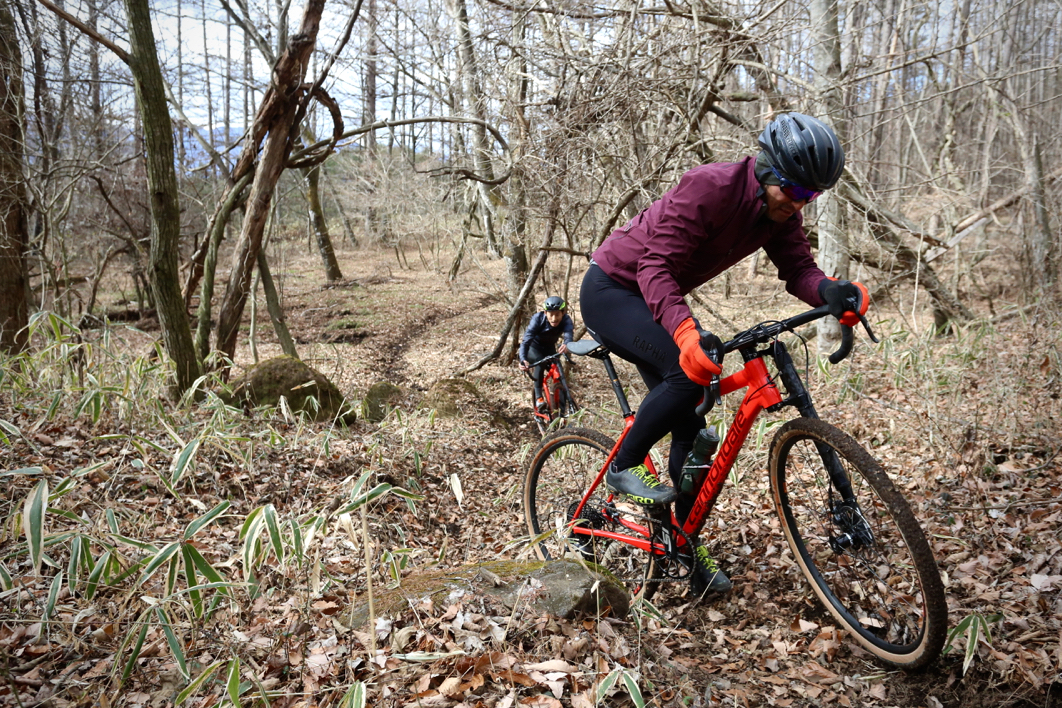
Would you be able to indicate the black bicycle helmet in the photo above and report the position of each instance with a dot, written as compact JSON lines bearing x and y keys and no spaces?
{"x":554,"y":302}
{"x":804,"y":149}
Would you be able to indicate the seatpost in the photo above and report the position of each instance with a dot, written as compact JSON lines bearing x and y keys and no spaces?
{"x":617,"y":388}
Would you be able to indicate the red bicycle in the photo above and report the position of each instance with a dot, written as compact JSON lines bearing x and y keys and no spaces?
{"x":851,"y":532}
{"x":555,"y":392}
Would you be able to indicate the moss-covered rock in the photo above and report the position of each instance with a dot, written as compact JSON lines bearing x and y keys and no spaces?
{"x":561,"y":588}
{"x":451,"y":397}
{"x":305,"y":389}
{"x":380,"y":399}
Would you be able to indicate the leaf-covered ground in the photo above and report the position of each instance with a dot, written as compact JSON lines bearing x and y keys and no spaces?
{"x":967,"y":425}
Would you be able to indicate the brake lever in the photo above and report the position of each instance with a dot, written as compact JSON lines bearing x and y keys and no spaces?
{"x":866,"y":326}
{"x":713,"y":348}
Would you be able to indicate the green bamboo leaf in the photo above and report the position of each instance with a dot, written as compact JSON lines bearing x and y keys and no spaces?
{"x":97,"y":572}
{"x":159,"y":560}
{"x":142,"y":545}
{"x":9,"y":429}
{"x":208,"y":572}
{"x":171,"y":638}
{"x":354,"y":697}
{"x":190,"y":576}
{"x":223,"y":585}
{"x":251,"y":545}
{"x":56,"y":540}
{"x":139,"y":442}
{"x":205,"y":519}
{"x":73,"y":567}
{"x":183,"y":460}
{"x":406,"y":494}
{"x":53,"y":596}
{"x":606,"y":684}
{"x":296,"y":540}
{"x":5,"y":578}
{"x":249,"y":522}
{"x":118,"y":574}
{"x":202,"y":565}
{"x":356,"y":489}
{"x":69,"y":515}
{"x":54,"y":407}
{"x":62,"y":488}
{"x":375,"y":493}
{"x":137,"y":646}
{"x":171,"y":574}
{"x":112,"y":522}
{"x":971,"y":645}
{"x":33,"y":522}
{"x":232,"y":681}
{"x":70,"y":483}
{"x":21,"y":471}
{"x":199,"y":681}
{"x":270,"y":515}
{"x":86,"y":555}
{"x":171,"y":432}
{"x":630,"y":683}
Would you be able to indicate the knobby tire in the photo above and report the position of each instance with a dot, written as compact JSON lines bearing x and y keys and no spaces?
{"x":873,"y":568}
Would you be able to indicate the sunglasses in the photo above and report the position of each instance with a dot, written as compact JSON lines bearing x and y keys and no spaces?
{"x":793,"y":190}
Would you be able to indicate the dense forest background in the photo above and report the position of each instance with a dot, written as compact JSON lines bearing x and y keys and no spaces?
{"x":386,"y":190}
{"x":544,"y":127}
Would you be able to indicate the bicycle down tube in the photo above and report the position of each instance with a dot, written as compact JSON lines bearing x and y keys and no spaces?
{"x":762,"y":394}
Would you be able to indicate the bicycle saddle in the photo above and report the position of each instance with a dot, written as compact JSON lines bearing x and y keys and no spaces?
{"x":588,"y":347}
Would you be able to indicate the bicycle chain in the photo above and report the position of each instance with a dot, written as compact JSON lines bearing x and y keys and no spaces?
{"x":597,"y":520}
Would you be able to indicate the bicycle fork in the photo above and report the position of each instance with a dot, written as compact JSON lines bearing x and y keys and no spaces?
{"x":801,"y":400}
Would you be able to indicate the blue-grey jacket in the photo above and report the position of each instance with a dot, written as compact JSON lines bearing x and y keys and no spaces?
{"x":543,"y":336}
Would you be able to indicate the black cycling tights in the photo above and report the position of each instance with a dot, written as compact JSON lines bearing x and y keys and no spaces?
{"x":620,"y":319}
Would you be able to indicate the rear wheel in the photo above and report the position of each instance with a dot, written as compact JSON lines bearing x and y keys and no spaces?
{"x":561,"y":469}
{"x":866,"y":557}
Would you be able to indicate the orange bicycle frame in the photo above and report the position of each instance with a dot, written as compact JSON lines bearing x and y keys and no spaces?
{"x":762,"y":393}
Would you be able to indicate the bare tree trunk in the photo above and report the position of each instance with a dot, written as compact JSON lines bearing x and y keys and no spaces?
{"x":474,"y":95}
{"x":514,"y":250}
{"x":372,"y":216}
{"x":319,"y":225}
{"x":95,"y":85}
{"x":276,"y":312}
{"x":1043,"y":246}
{"x":833,"y":227}
{"x":14,"y":234}
{"x":275,"y":120}
{"x":162,"y":187}
{"x":211,"y":243}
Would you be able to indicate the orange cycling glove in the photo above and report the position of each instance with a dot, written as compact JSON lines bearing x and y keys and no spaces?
{"x":694,"y":362}
{"x":839,"y":293}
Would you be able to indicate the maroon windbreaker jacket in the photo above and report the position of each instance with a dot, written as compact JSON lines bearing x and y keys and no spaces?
{"x":712,"y":219}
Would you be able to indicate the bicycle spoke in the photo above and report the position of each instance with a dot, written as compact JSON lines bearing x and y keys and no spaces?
{"x":865,"y":556}
{"x":561,"y":470}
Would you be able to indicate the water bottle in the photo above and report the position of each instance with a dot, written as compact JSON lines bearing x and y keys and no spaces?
{"x":698,"y":461}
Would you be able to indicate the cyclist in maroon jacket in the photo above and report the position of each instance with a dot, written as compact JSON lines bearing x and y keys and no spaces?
{"x":632,"y":295}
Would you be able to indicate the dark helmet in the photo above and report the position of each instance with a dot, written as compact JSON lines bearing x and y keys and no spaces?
{"x":554,"y":302}
{"x":804,"y":149}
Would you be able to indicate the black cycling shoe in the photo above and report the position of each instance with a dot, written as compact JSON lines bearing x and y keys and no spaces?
{"x":706,"y":576}
{"x":639,"y":485}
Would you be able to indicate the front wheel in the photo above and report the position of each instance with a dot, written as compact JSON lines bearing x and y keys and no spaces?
{"x":561,"y":470}
{"x":863,"y":552}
